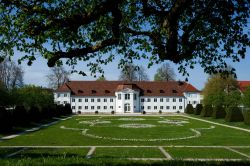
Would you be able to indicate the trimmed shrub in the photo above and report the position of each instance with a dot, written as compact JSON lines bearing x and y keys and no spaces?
{"x":246,"y":115}
{"x":198,"y":109}
{"x":234,"y":114}
{"x":207,"y":111}
{"x":189,"y":109}
{"x":160,"y":112}
{"x":96,"y":112}
{"x":34,"y":114}
{"x":143,"y":112}
{"x":79,"y":112}
{"x":20,"y":116}
{"x":219,"y":112}
{"x":67,"y":109}
{"x":112,"y":112}
{"x":5,"y":120}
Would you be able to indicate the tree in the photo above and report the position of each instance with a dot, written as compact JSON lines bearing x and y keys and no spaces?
{"x":217,"y":87}
{"x":4,"y":96}
{"x":101,"y":78}
{"x":246,"y":98}
{"x":182,"y":31}
{"x":11,"y":75}
{"x":233,"y":99}
{"x":133,"y":73}
{"x":57,"y":77}
{"x":165,"y":73}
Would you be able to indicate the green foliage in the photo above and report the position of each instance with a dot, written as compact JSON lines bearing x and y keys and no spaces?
{"x":101,"y":78}
{"x":198,"y":109}
{"x":5,"y":120}
{"x":20,"y":116}
{"x":219,"y":112}
{"x":132,"y":29}
{"x":233,"y":99}
{"x":246,"y":98}
{"x":246,"y":115}
{"x":207,"y":111}
{"x":234,"y":114}
{"x":189,"y":109}
{"x":165,"y":73}
{"x":4,"y":95}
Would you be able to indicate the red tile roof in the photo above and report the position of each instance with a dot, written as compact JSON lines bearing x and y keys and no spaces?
{"x":108,"y":88}
{"x":243,"y":85}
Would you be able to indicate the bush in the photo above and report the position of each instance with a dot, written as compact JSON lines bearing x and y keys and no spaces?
{"x":5,"y":120}
{"x":143,"y":112}
{"x":178,"y":112}
{"x":246,"y":115}
{"x":234,"y":114}
{"x":34,"y":114}
{"x":198,"y":109}
{"x":112,"y":112}
{"x":189,"y":109}
{"x":96,"y":112}
{"x":207,"y":111}
{"x":79,"y":112}
{"x":160,"y":112}
{"x":20,"y":116}
{"x":67,"y":109}
{"x":219,"y":112}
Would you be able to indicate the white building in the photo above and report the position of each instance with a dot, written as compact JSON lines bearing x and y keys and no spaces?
{"x":122,"y":97}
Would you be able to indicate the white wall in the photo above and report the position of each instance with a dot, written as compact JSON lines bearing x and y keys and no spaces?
{"x":62,"y":97}
{"x":193,"y":98}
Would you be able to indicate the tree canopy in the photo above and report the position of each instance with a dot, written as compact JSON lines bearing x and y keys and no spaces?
{"x":185,"y":32}
{"x":165,"y":73}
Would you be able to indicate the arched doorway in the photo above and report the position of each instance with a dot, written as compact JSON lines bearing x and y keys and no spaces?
{"x":126,"y":107}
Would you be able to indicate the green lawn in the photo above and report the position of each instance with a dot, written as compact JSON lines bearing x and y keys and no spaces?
{"x":132,"y":137}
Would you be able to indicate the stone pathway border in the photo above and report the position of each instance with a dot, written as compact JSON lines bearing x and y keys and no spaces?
{"x":166,"y":154}
{"x":219,"y":124}
{"x":33,"y":129}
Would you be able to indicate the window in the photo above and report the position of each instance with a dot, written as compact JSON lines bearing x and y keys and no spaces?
{"x":119,"y":96}
{"x":134,"y":96}
{"x":93,"y":91}
{"x":79,"y":107}
{"x":98,"y":107}
{"x":105,"y":107}
{"x":149,"y":107}
{"x":189,"y":102}
{"x":149,"y":91}
{"x":104,"y":100}
{"x":98,"y":100}
{"x":161,"y":99}
{"x":161,"y":91}
{"x":111,"y":107}
{"x":180,"y":107}
{"x":79,"y":100}
{"x":65,"y":95}
{"x":167,"y":107}
{"x":127,"y":96}
{"x":86,"y":100}
{"x":142,"y":100}
{"x":180,"y":100}
{"x":155,"y":99}
{"x":86,"y":107}
{"x":119,"y":107}
{"x":73,"y":100}
{"x":58,"y":95}
{"x":174,"y":107}
{"x":73,"y":107}
{"x":111,"y":100}
{"x":92,"y":100}
{"x":167,"y":100}
{"x":107,"y":91}
{"x":149,"y":100}
{"x":174,"y":99}
{"x":92,"y":107}
{"x":155,"y":107}
{"x":142,"y":107}
{"x":194,"y":102}
{"x":161,"y":107}
{"x":80,"y":91}
{"x":65,"y":102}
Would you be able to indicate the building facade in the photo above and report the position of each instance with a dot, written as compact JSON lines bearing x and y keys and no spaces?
{"x":127,"y":97}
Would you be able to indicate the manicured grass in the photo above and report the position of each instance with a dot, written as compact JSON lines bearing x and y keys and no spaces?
{"x":243,"y":150}
{"x":128,"y":153}
{"x":6,"y":151}
{"x":203,"y":153}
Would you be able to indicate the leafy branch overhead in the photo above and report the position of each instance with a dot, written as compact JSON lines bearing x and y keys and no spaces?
{"x":185,"y":32}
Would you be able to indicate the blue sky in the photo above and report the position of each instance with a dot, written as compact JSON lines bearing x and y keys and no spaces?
{"x":36,"y":74}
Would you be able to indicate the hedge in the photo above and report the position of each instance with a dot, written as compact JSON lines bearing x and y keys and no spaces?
{"x":198,"y":109}
{"x":246,"y":115}
{"x":189,"y":109}
{"x":207,"y":111}
{"x":234,"y":114}
{"x":20,"y":116}
{"x":219,"y":112}
{"x":5,"y":122}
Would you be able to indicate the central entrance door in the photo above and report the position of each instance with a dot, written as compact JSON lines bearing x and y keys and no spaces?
{"x":126,"y":107}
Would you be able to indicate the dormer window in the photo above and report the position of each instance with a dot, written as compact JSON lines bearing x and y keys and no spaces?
{"x":107,"y":91}
{"x":80,"y":91}
{"x":174,"y":91}
{"x":161,"y":91}
{"x":93,"y":91}
{"x":149,"y":91}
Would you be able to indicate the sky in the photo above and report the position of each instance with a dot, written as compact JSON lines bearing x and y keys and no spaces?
{"x":36,"y":74}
